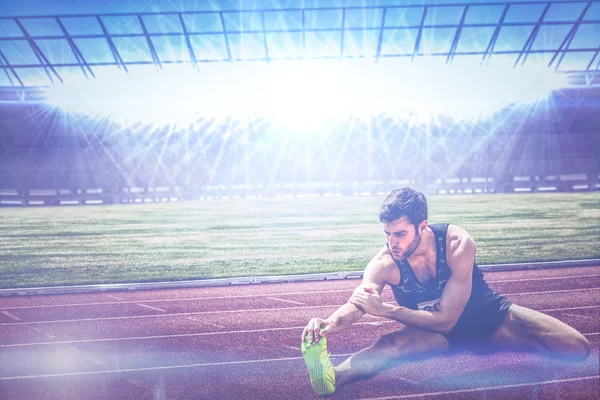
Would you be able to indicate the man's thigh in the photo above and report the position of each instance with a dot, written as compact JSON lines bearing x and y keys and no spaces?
{"x":524,"y":329}
{"x":411,"y":342}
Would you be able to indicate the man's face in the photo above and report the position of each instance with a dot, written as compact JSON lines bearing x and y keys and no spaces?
{"x":402,"y":237}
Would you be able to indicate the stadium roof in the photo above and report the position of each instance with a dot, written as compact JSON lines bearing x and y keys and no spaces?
{"x":43,"y":43}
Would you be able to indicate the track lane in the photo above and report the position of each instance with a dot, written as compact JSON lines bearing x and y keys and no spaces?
{"x":230,"y":291}
{"x":267,"y":299}
{"x":95,"y":357}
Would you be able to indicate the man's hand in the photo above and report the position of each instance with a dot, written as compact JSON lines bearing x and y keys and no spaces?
{"x":313,"y":330}
{"x":369,"y":301}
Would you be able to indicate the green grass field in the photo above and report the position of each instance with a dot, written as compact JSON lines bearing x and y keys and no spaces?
{"x":228,"y":238}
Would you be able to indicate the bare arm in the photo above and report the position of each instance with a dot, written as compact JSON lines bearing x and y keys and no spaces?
{"x":461,"y":257}
{"x":348,"y":314}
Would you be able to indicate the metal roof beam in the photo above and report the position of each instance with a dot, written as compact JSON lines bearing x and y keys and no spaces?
{"x":532,"y":36}
{"x":111,"y":45}
{"x":419,"y":35}
{"x":229,"y":57}
{"x":4,"y":61}
{"x":457,"y":35}
{"x":188,"y":42}
{"x":490,"y":47}
{"x":80,"y":59}
{"x":264,"y":27}
{"x":38,"y":53}
{"x":153,"y":52}
{"x":380,"y":39}
{"x":569,"y":38}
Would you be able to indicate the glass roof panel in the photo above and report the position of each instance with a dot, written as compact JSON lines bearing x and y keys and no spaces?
{"x":57,"y":51}
{"x":323,"y":44}
{"x":323,"y":19}
{"x":565,"y":12}
{"x":586,"y":37}
{"x":283,"y":20}
{"x":398,"y":41}
{"x":501,"y":61}
{"x":9,"y":28}
{"x":247,"y":45}
{"x":283,"y":45}
{"x":593,"y":13}
{"x":133,"y":49}
{"x":443,"y":15}
{"x":403,"y":17}
{"x":18,"y":52}
{"x":474,"y":39}
{"x":41,"y":26}
{"x":209,"y":47}
{"x":108,"y":72}
{"x":82,"y":26}
{"x":361,"y":43}
{"x":125,"y":24}
{"x":33,"y":76}
{"x":512,"y":38}
{"x":484,"y":14}
{"x":524,"y":12}
{"x":363,"y":18}
{"x":7,"y":78}
{"x":242,"y":22}
{"x":171,"y":48}
{"x":168,"y":23}
{"x":203,"y":22}
{"x":550,"y":37}
{"x":436,"y":40}
{"x":95,"y":50}
{"x":71,"y":74}
{"x":576,"y":61}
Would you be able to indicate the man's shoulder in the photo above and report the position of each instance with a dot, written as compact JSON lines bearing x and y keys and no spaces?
{"x":459,"y":244}
{"x":383,"y":264}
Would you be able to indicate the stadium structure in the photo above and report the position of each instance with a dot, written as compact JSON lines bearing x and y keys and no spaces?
{"x":230,"y":99}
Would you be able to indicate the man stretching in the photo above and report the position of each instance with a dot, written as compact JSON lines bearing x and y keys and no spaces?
{"x":443,"y":302}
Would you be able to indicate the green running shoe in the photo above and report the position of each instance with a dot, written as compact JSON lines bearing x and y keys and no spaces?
{"x":322,"y":375}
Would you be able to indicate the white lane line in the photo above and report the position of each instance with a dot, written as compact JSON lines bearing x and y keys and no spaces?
{"x":545,"y":279}
{"x":197,"y":334}
{"x":480,"y":389}
{"x":150,"y":307}
{"x":249,"y":296}
{"x":120,"y":371}
{"x":170,"y":315}
{"x":112,"y":296}
{"x":179,"y":335}
{"x":43,"y":333}
{"x":237,"y":311}
{"x":108,"y":303}
{"x":569,"y":308}
{"x":549,"y":291}
{"x":286,"y":301}
{"x":87,"y":356}
{"x":11,"y":316}
{"x":215,"y":364}
{"x":581,"y":316}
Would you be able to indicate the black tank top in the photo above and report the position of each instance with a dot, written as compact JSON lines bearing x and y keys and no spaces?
{"x":412,"y":294}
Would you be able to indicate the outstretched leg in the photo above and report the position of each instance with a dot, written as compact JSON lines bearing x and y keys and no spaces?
{"x":524,"y":329}
{"x":401,"y":345}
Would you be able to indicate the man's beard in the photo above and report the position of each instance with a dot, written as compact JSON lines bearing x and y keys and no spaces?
{"x":411,"y":247}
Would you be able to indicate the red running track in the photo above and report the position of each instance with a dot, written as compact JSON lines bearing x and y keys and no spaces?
{"x":242,"y":342}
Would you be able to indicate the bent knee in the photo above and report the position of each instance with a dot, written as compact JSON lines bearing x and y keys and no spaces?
{"x":576,"y":347}
{"x":580,"y":348}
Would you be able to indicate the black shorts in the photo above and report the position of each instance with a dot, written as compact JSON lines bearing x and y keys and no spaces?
{"x":479,"y":321}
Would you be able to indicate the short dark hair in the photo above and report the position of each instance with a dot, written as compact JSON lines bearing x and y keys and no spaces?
{"x":404,"y":202}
